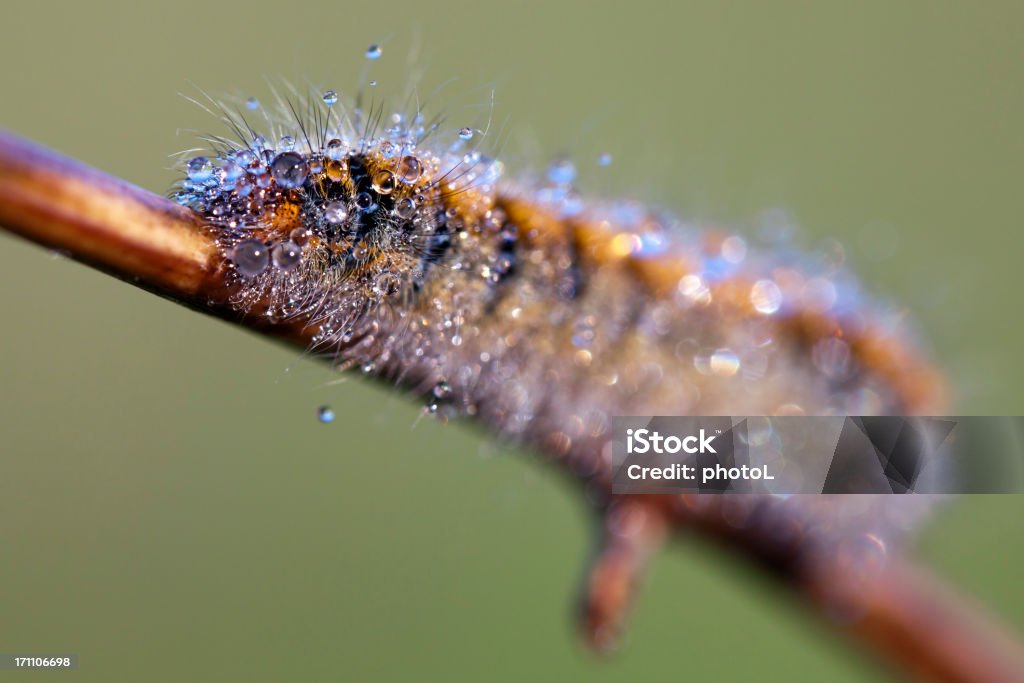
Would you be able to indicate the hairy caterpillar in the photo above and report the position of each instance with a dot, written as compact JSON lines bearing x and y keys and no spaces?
{"x":414,"y":258}
{"x":404,"y":252}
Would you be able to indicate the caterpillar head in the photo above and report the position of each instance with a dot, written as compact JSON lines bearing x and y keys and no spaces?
{"x":330,"y":229}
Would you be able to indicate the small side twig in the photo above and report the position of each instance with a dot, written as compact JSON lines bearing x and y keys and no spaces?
{"x":898,"y":612}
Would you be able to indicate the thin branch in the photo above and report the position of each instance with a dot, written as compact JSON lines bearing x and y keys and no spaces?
{"x":899,"y":612}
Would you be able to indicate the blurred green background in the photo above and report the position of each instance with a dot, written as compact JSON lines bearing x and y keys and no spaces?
{"x":170,"y":509}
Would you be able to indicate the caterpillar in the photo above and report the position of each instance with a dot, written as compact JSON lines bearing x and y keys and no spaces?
{"x":407,"y":254}
{"x":416,"y":259}
{"x":402,"y":251}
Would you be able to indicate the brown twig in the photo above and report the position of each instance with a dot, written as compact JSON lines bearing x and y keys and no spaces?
{"x":896,"y":610}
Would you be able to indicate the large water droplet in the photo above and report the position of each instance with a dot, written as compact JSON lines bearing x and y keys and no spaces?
{"x":410,"y":169}
{"x":335,"y":212}
{"x":364,"y":202}
{"x":286,"y":255}
{"x":289,"y":170}
{"x":250,"y":258}
{"x":405,"y":207}
{"x":199,"y":169}
{"x":384,"y":182}
{"x":335,"y":149}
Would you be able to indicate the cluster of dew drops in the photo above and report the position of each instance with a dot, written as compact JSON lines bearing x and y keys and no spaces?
{"x":235,"y":183}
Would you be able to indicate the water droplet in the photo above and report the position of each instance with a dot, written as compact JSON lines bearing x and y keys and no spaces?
{"x":384,"y":182}
{"x":766,"y":297}
{"x":263,"y":180}
{"x":286,"y":255}
{"x":405,"y":207}
{"x":604,"y":160}
{"x":335,"y":149}
{"x":562,"y":172}
{"x":335,"y":212}
{"x":250,"y":257}
{"x":286,"y":143}
{"x":289,"y":170}
{"x":199,"y":169}
{"x":373,"y":52}
{"x":299,"y":235}
{"x":330,"y":97}
{"x":410,"y":169}
{"x":373,"y":84}
{"x":466,"y":133}
{"x":252,"y":104}
{"x":325,"y":414}
{"x":364,"y":202}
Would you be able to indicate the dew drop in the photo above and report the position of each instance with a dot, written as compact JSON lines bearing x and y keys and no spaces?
{"x":364,"y":202}
{"x":250,"y":257}
{"x":252,"y":104}
{"x":289,"y":170}
{"x":286,"y":255}
{"x":410,"y":169}
{"x":330,"y":97}
{"x":405,"y":207}
{"x":604,"y":160}
{"x":286,"y":143}
{"x":373,"y":84}
{"x":466,"y":133}
{"x":335,"y":212}
{"x":325,"y":414}
{"x":199,"y":169}
{"x":373,"y":52}
{"x":384,"y":182}
{"x":299,"y":236}
{"x":335,"y":149}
